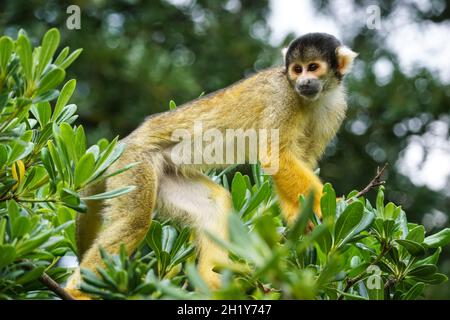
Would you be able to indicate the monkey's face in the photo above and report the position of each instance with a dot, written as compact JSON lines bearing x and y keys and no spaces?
{"x":316,"y":63}
{"x":308,"y":78}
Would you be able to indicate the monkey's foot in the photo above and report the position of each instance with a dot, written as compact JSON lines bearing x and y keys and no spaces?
{"x":77,"y":294}
{"x":212,"y":279}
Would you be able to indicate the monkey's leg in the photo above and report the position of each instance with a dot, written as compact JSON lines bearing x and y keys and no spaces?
{"x":126,"y":219}
{"x":88,"y":224}
{"x":293,"y":179}
{"x":205,"y":205}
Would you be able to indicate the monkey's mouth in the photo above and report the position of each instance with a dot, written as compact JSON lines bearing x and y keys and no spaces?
{"x":309,"y":94}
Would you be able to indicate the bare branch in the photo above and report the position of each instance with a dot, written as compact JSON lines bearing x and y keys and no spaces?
{"x":55,"y":287}
{"x":375,"y":182}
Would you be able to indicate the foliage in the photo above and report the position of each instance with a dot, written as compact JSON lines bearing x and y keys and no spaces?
{"x":44,"y":164}
{"x":358,"y":251}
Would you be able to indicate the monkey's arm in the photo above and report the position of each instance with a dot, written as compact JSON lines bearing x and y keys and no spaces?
{"x":293,"y":179}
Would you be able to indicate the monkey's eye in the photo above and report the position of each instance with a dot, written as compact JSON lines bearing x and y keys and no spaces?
{"x":298,"y":69}
{"x":313,"y":67}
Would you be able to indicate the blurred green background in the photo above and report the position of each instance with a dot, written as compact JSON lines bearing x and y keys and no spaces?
{"x":138,"y":55}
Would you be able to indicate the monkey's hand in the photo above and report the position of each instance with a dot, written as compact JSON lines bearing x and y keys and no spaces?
{"x":292,"y":180}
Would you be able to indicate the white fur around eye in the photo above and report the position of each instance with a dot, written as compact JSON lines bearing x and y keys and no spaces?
{"x":345,"y":57}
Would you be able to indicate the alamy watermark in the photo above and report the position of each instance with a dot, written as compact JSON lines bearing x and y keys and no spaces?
{"x":73,"y":21}
{"x":374,"y":281}
{"x":373,"y":21}
{"x":211,"y":146}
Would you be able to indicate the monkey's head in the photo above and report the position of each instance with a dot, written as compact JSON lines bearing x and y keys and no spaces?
{"x":316,"y":63}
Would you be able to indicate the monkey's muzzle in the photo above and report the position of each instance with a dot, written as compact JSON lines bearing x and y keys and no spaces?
{"x":308,"y":88}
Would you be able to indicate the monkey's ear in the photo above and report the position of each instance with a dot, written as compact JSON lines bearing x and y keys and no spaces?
{"x":345,"y":57}
{"x":284,"y":52}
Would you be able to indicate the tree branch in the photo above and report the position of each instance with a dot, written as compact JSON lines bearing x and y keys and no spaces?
{"x":51,"y":284}
{"x":375,"y":182}
{"x":55,"y":287}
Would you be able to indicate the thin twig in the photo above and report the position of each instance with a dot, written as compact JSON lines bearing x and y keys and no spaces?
{"x":375,"y":182}
{"x":55,"y":287}
{"x":51,"y":284}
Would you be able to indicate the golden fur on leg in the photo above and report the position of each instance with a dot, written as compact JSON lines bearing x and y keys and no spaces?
{"x":198,"y":201}
{"x":126,"y":219}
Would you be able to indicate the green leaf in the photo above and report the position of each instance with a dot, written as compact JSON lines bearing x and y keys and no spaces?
{"x":433,"y":259}
{"x":70,"y":59}
{"x":56,"y":160}
{"x":84,"y":169}
{"x":3,"y":155}
{"x":348,"y":220}
{"x":48,"y":163}
{"x":6,"y":48}
{"x":31,"y":275}
{"x":414,"y":291}
{"x":328,"y":203}
{"x":267,"y":229}
{"x":414,"y":248}
{"x":153,"y":238}
{"x":62,"y":55}
{"x":69,"y":197}
{"x":108,"y":157}
{"x":80,"y":142}
{"x":20,"y":226}
{"x":20,"y":150}
{"x":425,"y":270}
{"x":2,"y":230}
{"x":29,"y":245}
{"x":49,"y":44}
{"x":301,"y":222}
{"x":64,"y":96}
{"x":168,"y":237}
{"x":436,"y":278}
{"x":325,"y":241}
{"x":440,"y":239}
{"x":67,"y":113}
{"x":110,"y":194}
{"x":91,"y":278}
{"x":182,"y":255}
{"x":7,"y":254}
{"x":416,"y":234}
{"x":403,"y":223}
{"x":180,"y":241}
{"x":46,"y":96}
{"x":23,"y":49}
{"x":112,"y":174}
{"x":163,"y":262}
{"x":238,"y":190}
{"x":261,"y":195}
{"x":42,"y":112}
{"x":172,"y":105}
{"x":68,"y":140}
{"x":50,"y":80}
{"x":380,"y":202}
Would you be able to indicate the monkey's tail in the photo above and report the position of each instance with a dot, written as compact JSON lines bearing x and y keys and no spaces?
{"x":89,"y":224}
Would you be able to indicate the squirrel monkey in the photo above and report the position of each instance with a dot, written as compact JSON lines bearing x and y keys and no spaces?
{"x":304,"y":100}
